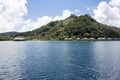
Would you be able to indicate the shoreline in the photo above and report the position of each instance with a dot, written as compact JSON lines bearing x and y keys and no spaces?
{"x":56,"y":40}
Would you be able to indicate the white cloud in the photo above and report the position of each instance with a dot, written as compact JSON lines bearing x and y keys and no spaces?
{"x":31,"y":25}
{"x":77,"y":10}
{"x":108,"y":13}
{"x":12,"y":14}
{"x":115,"y":3}
{"x":88,"y":8}
{"x":66,"y":13}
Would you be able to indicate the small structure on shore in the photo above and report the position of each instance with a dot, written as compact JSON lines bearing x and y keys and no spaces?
{"x":66,"y":39}
{"x":101,"y":38}
{"x":70,"y":39}
{"x":18,"y":39}
{"x":109,"y":38}
{"x":78,"y":38}
{"x":91,"y":38}
{"x":84,"y":38}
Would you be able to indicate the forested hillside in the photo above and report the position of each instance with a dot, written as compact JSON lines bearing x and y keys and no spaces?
{"x":74,"y":27}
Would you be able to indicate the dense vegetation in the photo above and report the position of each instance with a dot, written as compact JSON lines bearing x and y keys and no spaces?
{"x":73,"y":27}
{"x":4,"y":37}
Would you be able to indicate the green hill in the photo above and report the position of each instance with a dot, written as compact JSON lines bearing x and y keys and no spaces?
{"x":73,"y":27}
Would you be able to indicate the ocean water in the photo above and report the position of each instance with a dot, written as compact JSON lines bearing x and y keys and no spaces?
{"x":60,"y":60}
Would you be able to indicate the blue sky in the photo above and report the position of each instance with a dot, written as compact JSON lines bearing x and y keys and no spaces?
{"x":39,"y":8}
{"x":27,"y":15}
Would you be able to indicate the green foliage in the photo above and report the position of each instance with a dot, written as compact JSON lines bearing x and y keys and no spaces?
{"x":4,"y":37}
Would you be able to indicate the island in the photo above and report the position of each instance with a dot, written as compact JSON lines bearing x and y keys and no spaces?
{"x":78,"y":28}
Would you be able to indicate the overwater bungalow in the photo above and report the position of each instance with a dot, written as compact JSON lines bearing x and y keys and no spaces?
{"x":101,"y":38}
{"x":84,"y":38}
{"x":78,"y":38}
{"x":66,"y":39}
{"x":91,"y":38}
{"x":109,"y":38}
{"x":70,"y":39}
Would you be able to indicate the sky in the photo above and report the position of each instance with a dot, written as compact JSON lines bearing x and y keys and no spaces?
{"x":27,"y":15}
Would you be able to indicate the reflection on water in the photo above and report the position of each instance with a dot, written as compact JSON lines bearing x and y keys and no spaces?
{"x":11,"y":55}
{"x":107,"y":57}
{"x":55,"y":60}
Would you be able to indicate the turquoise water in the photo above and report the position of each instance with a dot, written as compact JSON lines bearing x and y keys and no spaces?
{"x":60,"y":60}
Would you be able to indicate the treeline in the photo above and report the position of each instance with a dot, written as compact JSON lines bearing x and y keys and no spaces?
{"x":4,"y":37}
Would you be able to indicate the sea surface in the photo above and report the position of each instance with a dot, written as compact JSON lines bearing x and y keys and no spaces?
{"x":60,"y":60}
